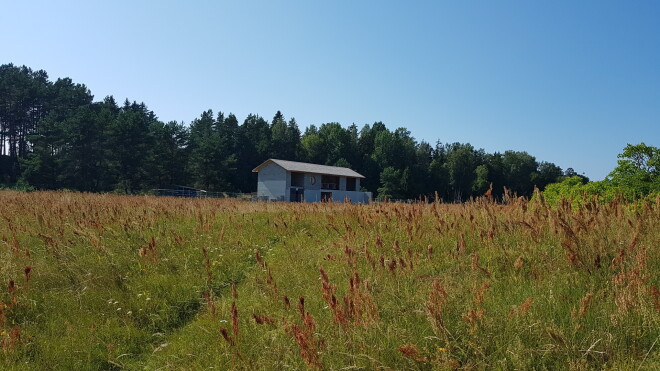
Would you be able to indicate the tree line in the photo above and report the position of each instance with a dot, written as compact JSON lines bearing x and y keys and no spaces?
{"x":53,"y":135}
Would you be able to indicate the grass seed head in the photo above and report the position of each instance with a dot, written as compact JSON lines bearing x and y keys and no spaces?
{"x":411,"y":351}
{"x":234,"y":318}
{"x":226,"y":335}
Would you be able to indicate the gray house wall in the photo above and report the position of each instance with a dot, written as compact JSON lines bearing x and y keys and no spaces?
{"x":308,"y":182}
{"x":272,"y":183}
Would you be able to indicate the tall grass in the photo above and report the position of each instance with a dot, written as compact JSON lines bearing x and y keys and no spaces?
{"x":105,"y":282}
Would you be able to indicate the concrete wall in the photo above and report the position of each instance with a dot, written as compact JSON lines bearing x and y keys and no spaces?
{"x":313,"y":195}
{"x":338,"y":196}
{"x":272,"y":183}
{"x":354,"y":196}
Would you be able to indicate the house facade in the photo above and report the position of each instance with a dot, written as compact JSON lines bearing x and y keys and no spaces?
{"x":281,"y":180}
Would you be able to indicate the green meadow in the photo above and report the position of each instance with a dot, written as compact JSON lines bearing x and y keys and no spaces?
{"x":101,"y":282}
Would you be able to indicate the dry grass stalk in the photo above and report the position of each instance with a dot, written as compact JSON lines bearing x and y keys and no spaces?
{"x":533,"y":231}
{"x":15,"y":244}
{"x":308,"y":345}
{"x":522,"y":309}
{"x":359,"y":304}
{"x":271,"y":281}
{"x":489,"y":193}
{"x":149,"y":250}
{"x":435,"y":305}
{"x":584,"y":305}
{"x":477,"y":267}
{"x":461,"y":245}
{"x":12,"y":340}
{"x":479,"y":293}
{"x":226,"y":336}
{"x":473,"y":317}
{"x":519,"y":262}
{"x":331,"y":299}
{"x":392,"y":266}
{"x":655,"y":296}
{"x":379,"y":242}
{"x":301,"y":307}
{"x":369,"y":257}
{"x":28,"y":271}
{"x":618,"y":260}
{"x":310,"y":324}
{"x":411,"y":351}
{"x":629,"y":286}
{"x":208,"y":298}
{"x":177,"y":238}
{"x":626,"y":290}
{"x":234,"y":318}
{"x":350,"y":255}
{"x":263,"y":319}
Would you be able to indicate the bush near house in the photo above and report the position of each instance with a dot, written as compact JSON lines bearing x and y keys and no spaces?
{"x":636,"y":177}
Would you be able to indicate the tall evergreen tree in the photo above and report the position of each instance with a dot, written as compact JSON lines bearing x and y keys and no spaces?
{"x":129,"y":146}
{"x":461,"y":165}
{"x":253,"y":149}
{"x":24,"y":103}
{"x":292,"y":141}
{"x":278,"y":138}
{"x":168,"y":162}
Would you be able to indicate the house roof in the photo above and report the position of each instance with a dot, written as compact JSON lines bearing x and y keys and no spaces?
{"x":304,"y":167}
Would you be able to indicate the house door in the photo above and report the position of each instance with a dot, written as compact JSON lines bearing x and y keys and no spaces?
{"x":296,"y":194}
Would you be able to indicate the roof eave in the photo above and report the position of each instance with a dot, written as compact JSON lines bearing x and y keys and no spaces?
{"x":263,"y":165}
{"x":271,"y":160}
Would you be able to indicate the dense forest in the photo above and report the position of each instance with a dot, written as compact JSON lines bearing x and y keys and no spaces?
{"x":53,"y":135}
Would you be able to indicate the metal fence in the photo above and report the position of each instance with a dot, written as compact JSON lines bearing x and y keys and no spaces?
{"x":197,"y":193}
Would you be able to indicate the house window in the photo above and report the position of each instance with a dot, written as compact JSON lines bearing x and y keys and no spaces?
{"x":297,"y":179}
{"x":329,"y":182}
{"x":350,"y":184}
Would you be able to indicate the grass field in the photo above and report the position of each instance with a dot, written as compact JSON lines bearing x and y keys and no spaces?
{"x":111,"y":282}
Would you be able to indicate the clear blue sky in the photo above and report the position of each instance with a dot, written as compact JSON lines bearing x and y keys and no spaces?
{"x":570,"y":82}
